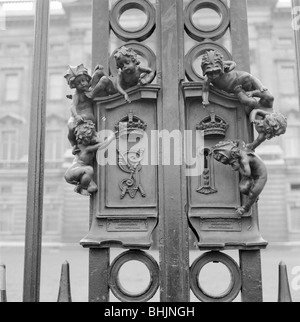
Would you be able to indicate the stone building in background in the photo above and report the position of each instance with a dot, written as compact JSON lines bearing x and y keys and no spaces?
{"x":65,"y":213}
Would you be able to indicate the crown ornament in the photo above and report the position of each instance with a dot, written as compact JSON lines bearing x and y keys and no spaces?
{"x":213,"y":126}
{"x":131,"y":125}
{"x":73,"y":72}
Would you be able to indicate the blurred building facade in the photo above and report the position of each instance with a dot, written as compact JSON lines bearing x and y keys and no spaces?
{"x":66,"y":213}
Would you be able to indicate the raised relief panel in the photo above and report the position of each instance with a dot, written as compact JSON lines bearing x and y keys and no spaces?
{"x":214,"y":194}
{"x":126,"y":203}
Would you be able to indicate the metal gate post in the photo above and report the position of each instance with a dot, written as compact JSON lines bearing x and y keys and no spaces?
{"x":174,"y":241}
{"x":35,"y":189}
{"x":250,"y":261}
{"x":99,"y":259}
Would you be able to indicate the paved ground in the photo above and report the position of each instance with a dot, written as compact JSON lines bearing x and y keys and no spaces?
{"x":135,"y":276}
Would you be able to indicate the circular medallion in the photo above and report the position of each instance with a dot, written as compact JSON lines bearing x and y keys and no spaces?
{"x":116,"y":286}
{"x":235,"y":276}
{"x":133,"y":19}
{"x":206,"y":19}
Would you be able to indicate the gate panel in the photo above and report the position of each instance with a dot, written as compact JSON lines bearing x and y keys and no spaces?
{"x":132,"y":202}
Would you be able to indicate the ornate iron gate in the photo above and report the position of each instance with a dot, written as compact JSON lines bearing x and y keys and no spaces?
{"x":135,"y":199}
{"x":171,"y":199}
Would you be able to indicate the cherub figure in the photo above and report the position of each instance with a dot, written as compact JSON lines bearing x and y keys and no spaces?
{"x":251,"y":167}
{"x":81,"y":172}
{"x":222,"y":75}
{"x":130,"y":74}
{"x":82,"y":106}
{"x":268,"y":126}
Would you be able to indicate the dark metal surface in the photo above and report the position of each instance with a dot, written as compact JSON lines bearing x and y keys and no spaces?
{"x":174,"y":243}
{"x":99,"y":259}
{"x":250,"y":263}
{"x":116,"y":287}
{"x":98,"y":277}
{"x":36,"y":155}
{"x":3,"y":294}
{"x":235,"y":284}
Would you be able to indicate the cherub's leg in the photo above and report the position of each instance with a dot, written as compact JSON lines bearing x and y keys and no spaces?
{"x":96,"y":77}
{"x":87,"y":182}
{"x":73,"y":176}
{"x":257,"y":84}
{"x":267,"y":100}
{"x":87,"y":177}
{"x":254,"y":193}
{"x":250,"y":102}
{"x":101,"y":88}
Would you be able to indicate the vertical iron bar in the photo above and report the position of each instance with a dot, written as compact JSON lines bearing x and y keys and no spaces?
{"x":34,"y":217}
{"x":252,"y":291}
{"x":296,"y":27}
{"x":250,"y":261}
{"x":239,"y":34}
{"x":174,"y":240}
{"x":3,"y":295}
{"x":99,"y":259}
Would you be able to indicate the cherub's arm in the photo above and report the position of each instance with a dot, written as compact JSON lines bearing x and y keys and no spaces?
{"x":103,"y":145}
{"x":259,"y":140}
{"x":229,"y":66}
{"x":120,"y":89}
{"x":75,"y":101}
{"x":148,"y":78}
{"x":205,"y":95}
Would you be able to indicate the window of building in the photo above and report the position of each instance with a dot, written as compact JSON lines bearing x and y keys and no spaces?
{"x":52,"y":219}
{"x":6,"y":219}
{"x":12,"y":87}
{"x":295,"y":187}
{"x":292,"y":142}
{"x":56,"y":87}
{"x":9,"y":145}
{"x":288,"y":80}
{"x":294,"y":218}
{"x":285,"y":41}
{"x":54,"y":145}
{"x":5,"y":190}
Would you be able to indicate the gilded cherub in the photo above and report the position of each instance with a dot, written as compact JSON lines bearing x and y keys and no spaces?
{"x":268,"y":126}
{"x":222,"y":75}
{"x":81,"y":171}
{"x":251,"y":167}
{"x":130,"y":74}
{"x":82,"y":107}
